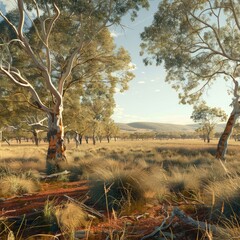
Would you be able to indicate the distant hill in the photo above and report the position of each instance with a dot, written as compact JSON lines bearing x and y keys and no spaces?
{"x":162,"y":127}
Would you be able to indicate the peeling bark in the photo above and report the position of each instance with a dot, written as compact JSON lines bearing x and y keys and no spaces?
{"x":56,"y":149}
{"x":223,"y":141}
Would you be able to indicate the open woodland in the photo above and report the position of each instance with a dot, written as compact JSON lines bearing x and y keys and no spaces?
{"x":121,"y":190}
{"x":60,"y":69}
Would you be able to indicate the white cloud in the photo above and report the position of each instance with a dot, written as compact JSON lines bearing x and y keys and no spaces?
{"x":157,"y":90}
{"x":141,"y":82}
{"x":152,"y":80}
{"x":143,"y":72}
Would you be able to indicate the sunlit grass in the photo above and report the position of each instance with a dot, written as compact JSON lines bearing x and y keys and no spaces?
{"x":123,"y":173}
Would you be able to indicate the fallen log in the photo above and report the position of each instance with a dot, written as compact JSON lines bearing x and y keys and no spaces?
{"x":197,"y":224}
{"x":54,"y":175}
{"x":204,"y":226}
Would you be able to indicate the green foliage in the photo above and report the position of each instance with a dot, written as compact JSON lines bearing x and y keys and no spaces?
{"x":208,"y":118}
{"x":197,"y":41}
{"x":65,"y":52}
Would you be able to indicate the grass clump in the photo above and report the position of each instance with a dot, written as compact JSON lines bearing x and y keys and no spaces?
{"x":225,"y":198}
{"x":17,"y":183}
{"x":70,"y":217}
{"x":66,"y":217}
{"x":119,"y":189}
{"x":13,"y":185}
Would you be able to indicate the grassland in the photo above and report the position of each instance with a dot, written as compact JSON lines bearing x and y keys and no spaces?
{"x":135,"y":184}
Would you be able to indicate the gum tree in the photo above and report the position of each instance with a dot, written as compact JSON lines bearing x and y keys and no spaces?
{"x":198,"y":41}
{"x":53,"y":39}
{"x":208,"y":118}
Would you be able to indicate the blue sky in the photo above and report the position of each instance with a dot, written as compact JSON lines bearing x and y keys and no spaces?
{"x":149,"y":97}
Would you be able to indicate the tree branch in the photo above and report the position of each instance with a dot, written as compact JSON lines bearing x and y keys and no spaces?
{"x":20,"y":81}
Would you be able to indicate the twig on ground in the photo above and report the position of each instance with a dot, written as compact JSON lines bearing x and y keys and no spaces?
{"x":85,"y":207}
{"x":56,"y":175}
{"x":204,"y":226}
{"x":161,"y":228}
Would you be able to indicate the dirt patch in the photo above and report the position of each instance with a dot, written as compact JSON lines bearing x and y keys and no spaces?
{"x":27,"y":204}
{"x":128,"y":227}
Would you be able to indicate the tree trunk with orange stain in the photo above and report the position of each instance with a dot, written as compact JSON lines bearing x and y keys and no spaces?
{"x":223,"y":141}
{"x":56,"y":149}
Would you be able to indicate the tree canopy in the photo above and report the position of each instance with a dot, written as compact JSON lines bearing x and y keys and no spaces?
{"x":208,"y":118}
{"x":52,"y":48}
{"x":198,"y":43}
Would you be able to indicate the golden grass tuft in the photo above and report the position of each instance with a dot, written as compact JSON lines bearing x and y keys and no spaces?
{"x":224,"y":196}
{"x":122,"y":173}
{"x":15,"y":185}
{"x":70,"y":217}
{"x":118,"y":188}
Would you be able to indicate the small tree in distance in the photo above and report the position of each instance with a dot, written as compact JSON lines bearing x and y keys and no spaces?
{"x":208,"y":118}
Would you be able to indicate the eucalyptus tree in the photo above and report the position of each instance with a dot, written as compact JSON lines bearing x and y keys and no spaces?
{"x":54,"y":38}
{"x":89,"y":104}
{"x":198,"y":41}
{"x":208,"y":118}
{"x":20,"y":118}
{"x":111,"y":129}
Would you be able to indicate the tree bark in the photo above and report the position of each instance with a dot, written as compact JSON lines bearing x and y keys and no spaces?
{"x":94,"y":139}
{"x":223,"y":141}
{"x":56,"y":149}
{"x":6,"y":140}
{"x":77,"y":141}
{"x":35,"y":135}
{"x":80,"y":139}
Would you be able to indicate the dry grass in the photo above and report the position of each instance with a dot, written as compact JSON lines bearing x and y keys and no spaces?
{"x":13,"y":185}
{"x":119,"y":189}
{"x":126,"y":171}
{"x":20,"y":182}
{"x":70,"y":217}
{"x":23,"y":157}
